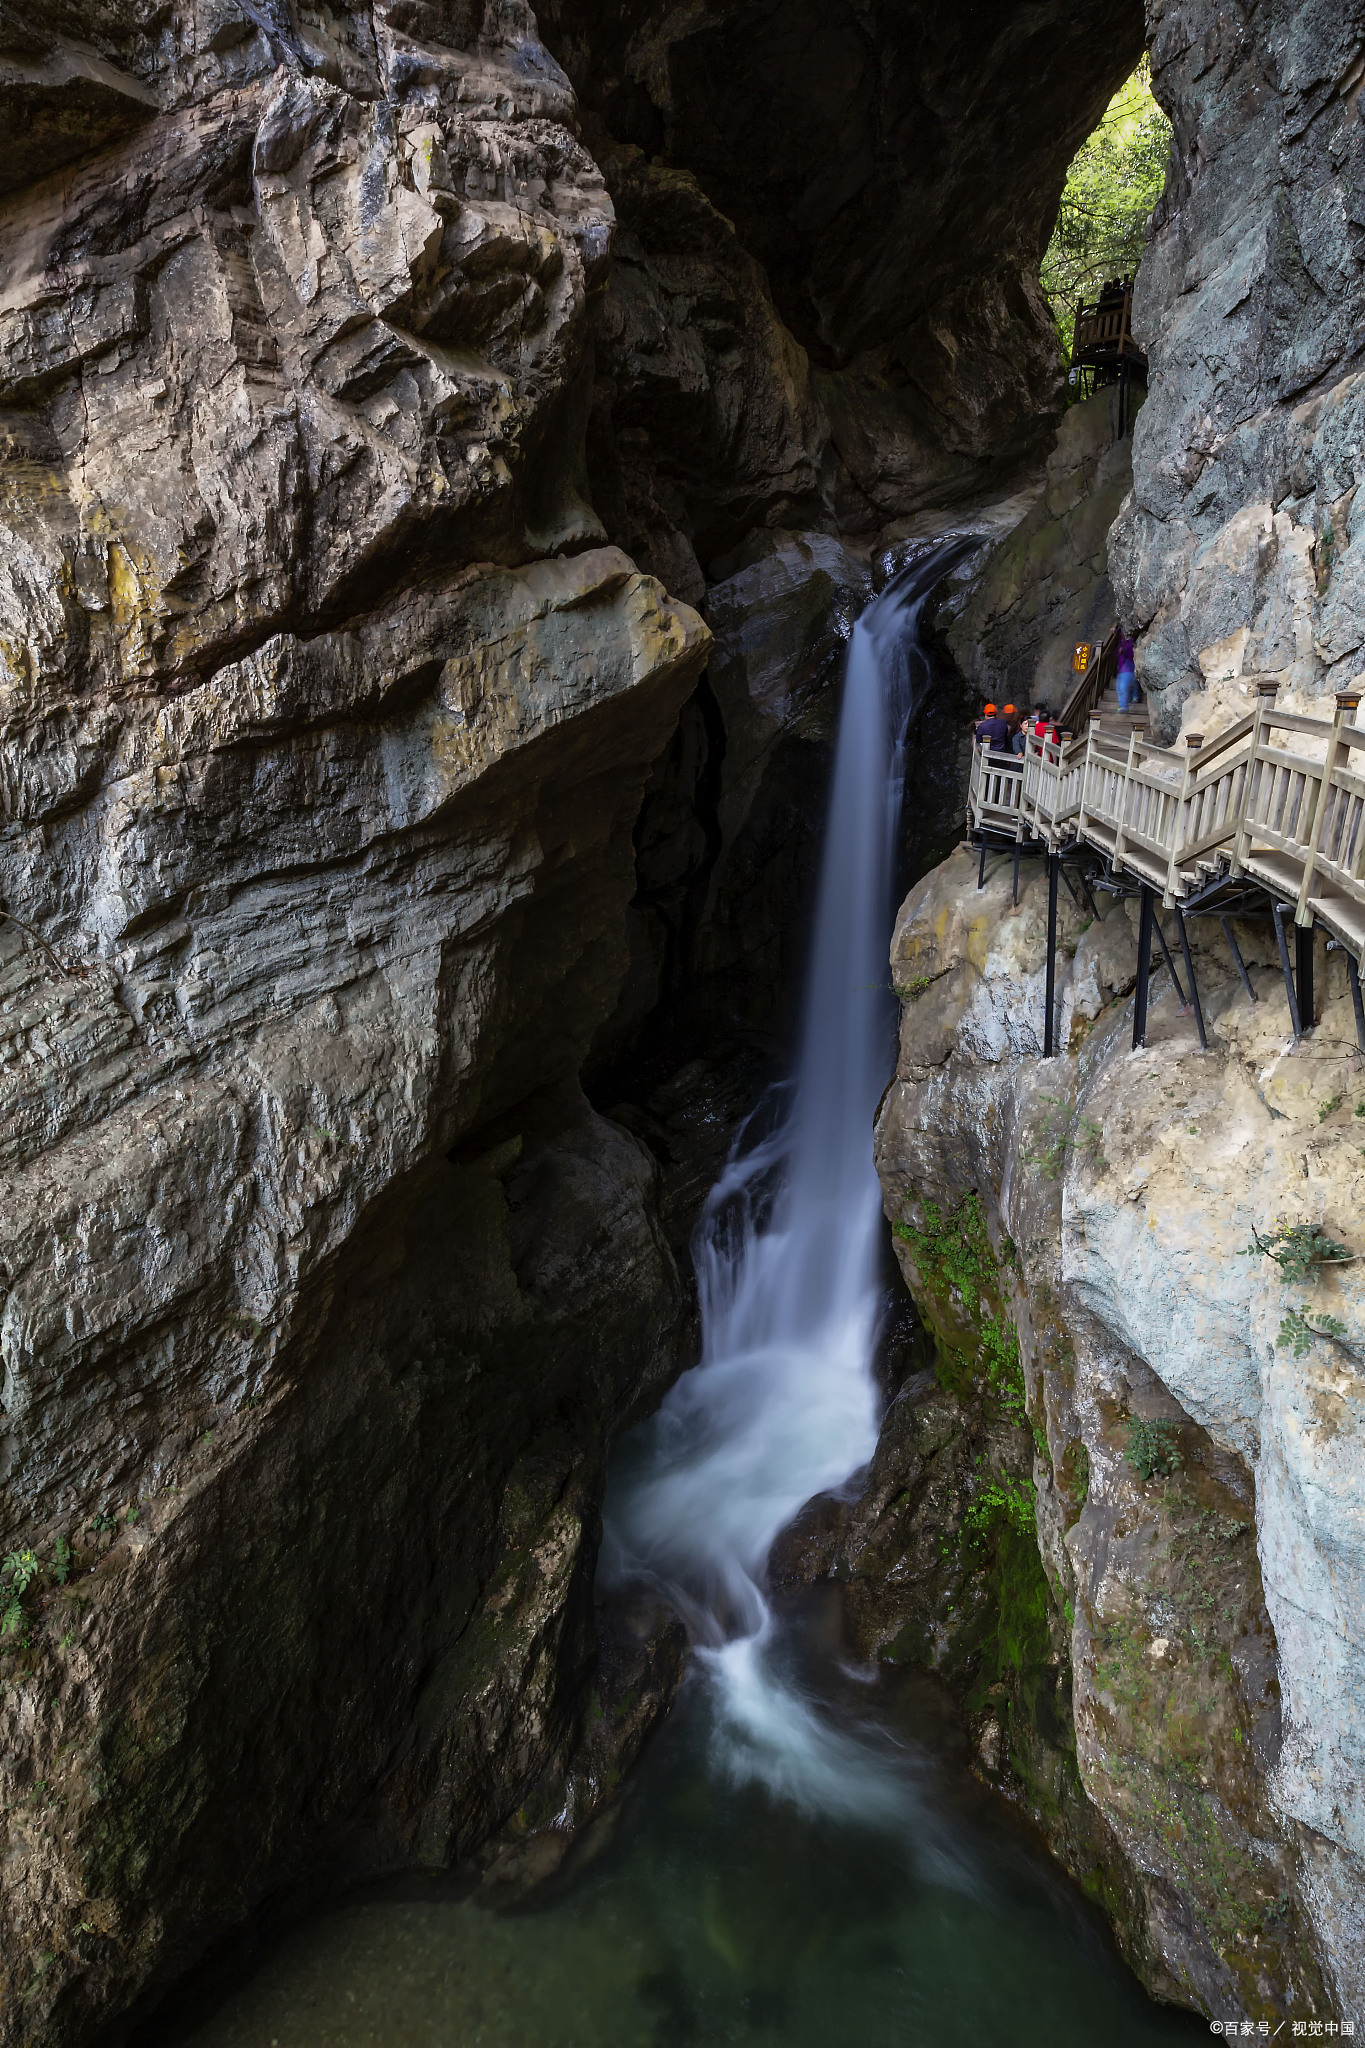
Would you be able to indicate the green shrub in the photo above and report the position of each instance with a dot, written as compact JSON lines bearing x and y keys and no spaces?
{"x":1153,"y":1448}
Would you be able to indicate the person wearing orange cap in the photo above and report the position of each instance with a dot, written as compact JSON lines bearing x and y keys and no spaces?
{"x":993,"y":730}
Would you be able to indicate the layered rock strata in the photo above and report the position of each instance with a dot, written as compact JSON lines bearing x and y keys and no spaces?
{"x":326,"y":721}
{"x":1197,"y":1423}
{"x":279,"y":1338}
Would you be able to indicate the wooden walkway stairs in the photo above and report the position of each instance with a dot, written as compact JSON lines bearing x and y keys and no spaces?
{"x":1275,"y":805}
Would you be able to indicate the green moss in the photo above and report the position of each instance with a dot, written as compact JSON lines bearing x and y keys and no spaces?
{"x":961,"y":1298}
{"x":1014,"y":1647}
{"x":1022,"y":1638}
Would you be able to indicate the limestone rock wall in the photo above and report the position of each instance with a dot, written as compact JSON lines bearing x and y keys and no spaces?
{"x":1239,"y":554}
{"x":1210,"y":1601}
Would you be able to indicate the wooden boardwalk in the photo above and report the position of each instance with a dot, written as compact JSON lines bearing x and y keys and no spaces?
{"x":1277,"y":803}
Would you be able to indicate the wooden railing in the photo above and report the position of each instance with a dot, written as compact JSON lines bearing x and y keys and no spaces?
{"x":1102,"y":324}
{"x":1278,"y":797}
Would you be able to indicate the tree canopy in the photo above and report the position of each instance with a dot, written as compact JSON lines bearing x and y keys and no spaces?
{"x":1114,"y":181}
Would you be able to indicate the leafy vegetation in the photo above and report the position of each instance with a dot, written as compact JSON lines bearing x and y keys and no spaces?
{"x":1298,"y":1249}
{"x":1298,"y":1331}
{"x":1153,"y":1448}
{"x":22,"y":1573}
{"x":1060,"y":1139}
{"x":17,"y":1574}
{"x":1114,"y":181}
{"x":1003,"y":1499}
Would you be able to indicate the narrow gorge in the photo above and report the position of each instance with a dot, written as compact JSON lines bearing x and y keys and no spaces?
{"x":555,"y":1487}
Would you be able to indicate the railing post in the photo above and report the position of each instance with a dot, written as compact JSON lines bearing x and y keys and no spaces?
{"x":1193,"y":742}
{"x":1121,"y":822}
{"x":1265,"y":698}
{"x":1347,"y":700}
{"x":1091,"y":729}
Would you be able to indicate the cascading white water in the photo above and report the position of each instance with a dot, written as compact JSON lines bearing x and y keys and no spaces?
{"x":783,"y":1405}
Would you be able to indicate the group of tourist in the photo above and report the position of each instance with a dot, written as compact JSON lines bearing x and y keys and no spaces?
{"x":1006,"y":730}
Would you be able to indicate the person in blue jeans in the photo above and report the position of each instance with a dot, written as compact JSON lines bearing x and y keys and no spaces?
{"x":1126,"y":681}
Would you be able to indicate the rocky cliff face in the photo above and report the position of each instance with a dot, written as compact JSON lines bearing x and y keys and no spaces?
{"x":1046,"y":585}
{"x":326,"y":721}
{"x":361,"y":370}
{"x":1194,"y":1469}
{"x":1240,"y":552}
{"x":824,"y":298}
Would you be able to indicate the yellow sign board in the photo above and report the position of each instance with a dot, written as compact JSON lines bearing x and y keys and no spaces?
{"x":1080,"y":660}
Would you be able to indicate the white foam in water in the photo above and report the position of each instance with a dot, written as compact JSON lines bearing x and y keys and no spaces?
{"x":783,"y":1405}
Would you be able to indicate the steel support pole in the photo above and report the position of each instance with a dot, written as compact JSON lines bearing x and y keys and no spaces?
{"x":1166,"y":954}
{"x":1054,"y":862}
{"x":1144,"y":967}
{"x":1353,"y":973}
{"x":1279,"y":911}
{"x":1303,"y":949}
{"x":1238,"y":962}
{"x":1194,"y":985}
{"x":1017,"y":850}
{"x":1072,"y":891}
{"x":981,"y":871}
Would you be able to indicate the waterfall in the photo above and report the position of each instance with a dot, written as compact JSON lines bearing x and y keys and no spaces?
{"x":783,"y":1405}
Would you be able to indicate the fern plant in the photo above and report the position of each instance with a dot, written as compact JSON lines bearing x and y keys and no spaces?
{"x":20,"y":1569}
{"x":1298,"y":1331}
{"x":1298,"y":1249}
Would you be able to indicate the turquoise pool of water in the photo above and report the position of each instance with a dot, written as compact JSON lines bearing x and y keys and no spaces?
{"x":700,"y":1912}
